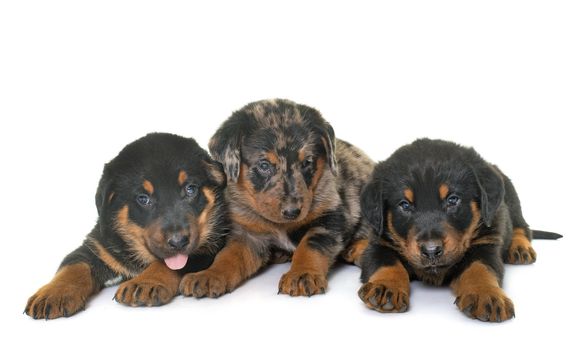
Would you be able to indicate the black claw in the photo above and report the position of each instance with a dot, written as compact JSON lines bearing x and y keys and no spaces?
{"x":305,"y":282}
{"x":389,"y":295}
{"x":483,"y":317}
{"x":488,"y":308}
{"x":456,"y":300}
{"x":372,"y":300}
{"x":123,"y":297}
{"x":137,"y":292}
{"x":517,"y":256}
{"x":403,"y":308}
{"x":65,"y":313}
{"x":47,"y":311}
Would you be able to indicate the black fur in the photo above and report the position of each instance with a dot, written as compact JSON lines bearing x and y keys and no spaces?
{"x":437,"y":208}
{"x":116,"y":250}
{"x":156,"y":156}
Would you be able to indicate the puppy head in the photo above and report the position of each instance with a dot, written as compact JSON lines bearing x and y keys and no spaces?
{"x":429,"y":199}
{"x":160,"y":195}
{"x":276,"y":152}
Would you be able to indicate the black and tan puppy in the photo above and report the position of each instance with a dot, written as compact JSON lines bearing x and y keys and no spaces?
{"x":161,"y":213}
{"x":292,"y":187}
{"x":443,"y":215}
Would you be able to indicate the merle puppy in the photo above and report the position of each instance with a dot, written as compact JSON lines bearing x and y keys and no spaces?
{"x":293,"y":189}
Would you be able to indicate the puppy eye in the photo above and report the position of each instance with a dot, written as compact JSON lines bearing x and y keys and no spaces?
{"x":191,"y":190}
{"x":405,"y":205}
{"x":308,"y":162}
{"x":144,"y":200}
{"x":453,"y":200}
{"x":265,"y":167}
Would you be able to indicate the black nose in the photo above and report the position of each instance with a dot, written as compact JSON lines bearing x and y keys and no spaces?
{"x":178,"y":241}
{"x":431,"y":249}
{"x":291,"y":213}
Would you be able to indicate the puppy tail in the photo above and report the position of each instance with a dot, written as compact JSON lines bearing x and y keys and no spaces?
{"x":545,"y":235}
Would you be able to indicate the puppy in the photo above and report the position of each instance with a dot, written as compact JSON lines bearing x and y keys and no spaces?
{"x":292,"y":187}
{"x":443,"y":215}
{"x":161,"y":213}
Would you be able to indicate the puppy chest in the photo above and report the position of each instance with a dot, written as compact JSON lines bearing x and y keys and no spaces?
{"x":283,"y":241}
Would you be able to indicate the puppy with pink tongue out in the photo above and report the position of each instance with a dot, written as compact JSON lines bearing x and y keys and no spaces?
{"x":161,"y":214}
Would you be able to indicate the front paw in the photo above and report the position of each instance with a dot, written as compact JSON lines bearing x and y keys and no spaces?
{"x":55,"y":300}
{"x":144,"y":293}
{"x":490,"y":304}
{"x":204,"y":284}
{"x":521,"y":254}
{"x":302,"y":283}
{"x":354,"y":252}
{"x":384,"y":297}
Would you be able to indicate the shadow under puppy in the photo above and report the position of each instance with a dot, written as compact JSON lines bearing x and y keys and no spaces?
{"x":161,"y":214}
{"x":292,"y":187}
{"x":443,"y":215}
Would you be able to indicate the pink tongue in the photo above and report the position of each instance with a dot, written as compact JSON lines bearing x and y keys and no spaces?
{"x":176,"y":262}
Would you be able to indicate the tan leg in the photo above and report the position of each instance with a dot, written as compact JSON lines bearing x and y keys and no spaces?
{"x":479,"y":294}
{"x":233,"y":264}
{"x":65,"y":295}
{"x":156,"y":285}
{"x":308,"y":272}
{"x":387,"y":290}
{"x":520,"y":251}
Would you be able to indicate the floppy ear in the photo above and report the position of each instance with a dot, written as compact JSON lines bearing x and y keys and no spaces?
{"x":491,"y":188}
{"x":226,"y":144}
{"x":372,"y":206}
{"x":104,"y":193}
{"x":216,"y":173}
{"x":325,"y":131}
{"x":329,"y":141}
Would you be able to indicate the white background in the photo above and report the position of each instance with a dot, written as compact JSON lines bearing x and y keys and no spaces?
{"x":79,"y":80}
